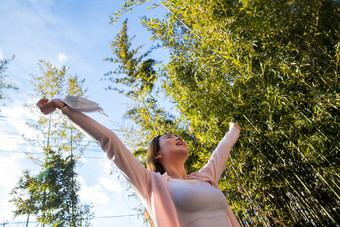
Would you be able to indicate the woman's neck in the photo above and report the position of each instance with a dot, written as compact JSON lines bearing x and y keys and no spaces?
{"x":177,"y":172}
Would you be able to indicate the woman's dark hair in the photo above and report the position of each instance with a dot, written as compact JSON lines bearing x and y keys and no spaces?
{"x":154,"y":165}
{"x":151,"y":162}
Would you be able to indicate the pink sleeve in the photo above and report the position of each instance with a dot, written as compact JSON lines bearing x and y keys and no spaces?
{"x":116,"y":151}
{"x":219,"y":157}
{"x":232,"y":219}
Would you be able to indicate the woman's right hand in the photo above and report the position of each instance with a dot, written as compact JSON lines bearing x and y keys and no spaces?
{"x":47,"y":107}
{"x":234,"y":124}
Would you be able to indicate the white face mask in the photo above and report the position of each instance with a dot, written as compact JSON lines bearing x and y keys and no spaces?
{"x":82,"y":104}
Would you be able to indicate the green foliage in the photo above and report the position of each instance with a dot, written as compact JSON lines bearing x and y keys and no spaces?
{"x":51,"y":196}
{"x":48,"y":195}
{"x":55,"y":131}
{"x":5,"y":83}
{"x":136,"y":77}
{"x":125,"y":7}
{"x":132,"y":71}
{"x":272,"y":66}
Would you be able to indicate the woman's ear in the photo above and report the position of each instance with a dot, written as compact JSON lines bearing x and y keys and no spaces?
{"x":158,"y":157}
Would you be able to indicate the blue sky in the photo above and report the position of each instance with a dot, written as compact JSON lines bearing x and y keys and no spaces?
{"x":76,"y":34}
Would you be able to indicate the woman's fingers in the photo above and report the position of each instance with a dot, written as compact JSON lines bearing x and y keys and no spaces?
{"x":45,"y":106}
{"x":42,"y":102}
{"x":233,"y":124}
{"x":58,"y":103}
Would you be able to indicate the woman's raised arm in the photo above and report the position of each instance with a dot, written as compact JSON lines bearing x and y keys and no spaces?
{"x":219,"y":157}
{"x":116,"y":151}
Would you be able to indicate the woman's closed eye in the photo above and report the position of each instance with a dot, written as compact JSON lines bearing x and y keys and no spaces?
{"x":169,"y":136}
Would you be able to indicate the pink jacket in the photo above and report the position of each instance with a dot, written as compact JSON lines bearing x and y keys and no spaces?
{"x":152,"y":187}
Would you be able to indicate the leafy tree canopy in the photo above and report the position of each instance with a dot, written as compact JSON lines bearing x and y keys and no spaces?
{"x":272,"y":66}
{"x":52,"y":195}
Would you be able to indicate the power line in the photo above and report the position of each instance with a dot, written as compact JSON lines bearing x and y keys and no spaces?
{"x":4,"y":116}
{"x":101,"y":217}
{"x":37,"y":153}
{"x":94,"y":149}
{"x":16,"y":135}
{"x":117,"y":216}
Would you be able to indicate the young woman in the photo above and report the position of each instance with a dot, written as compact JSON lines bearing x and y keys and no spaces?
{"x":171,"y":197}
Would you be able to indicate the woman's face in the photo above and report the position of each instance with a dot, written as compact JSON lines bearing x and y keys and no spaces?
{"x":172,"y":146}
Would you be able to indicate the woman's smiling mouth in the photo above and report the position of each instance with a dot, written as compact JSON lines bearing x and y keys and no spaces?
{"x":179,"y":143}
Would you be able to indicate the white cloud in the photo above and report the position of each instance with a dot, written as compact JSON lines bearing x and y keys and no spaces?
{"x":103,"y":211}
{"x":83,"y":160}
{"x":12,"y":162}
{"x":9,"y":143}
{"x":62,"y":58}
{"x":81,"y":180}
{"x":15,"y":118}
{"x":109,"y":184}
{"x":94,"y":194}
{"x":1,"y":55}
{"x":11,"y":168}
{"x":15,"y":162}
{"x":108,"y":165}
